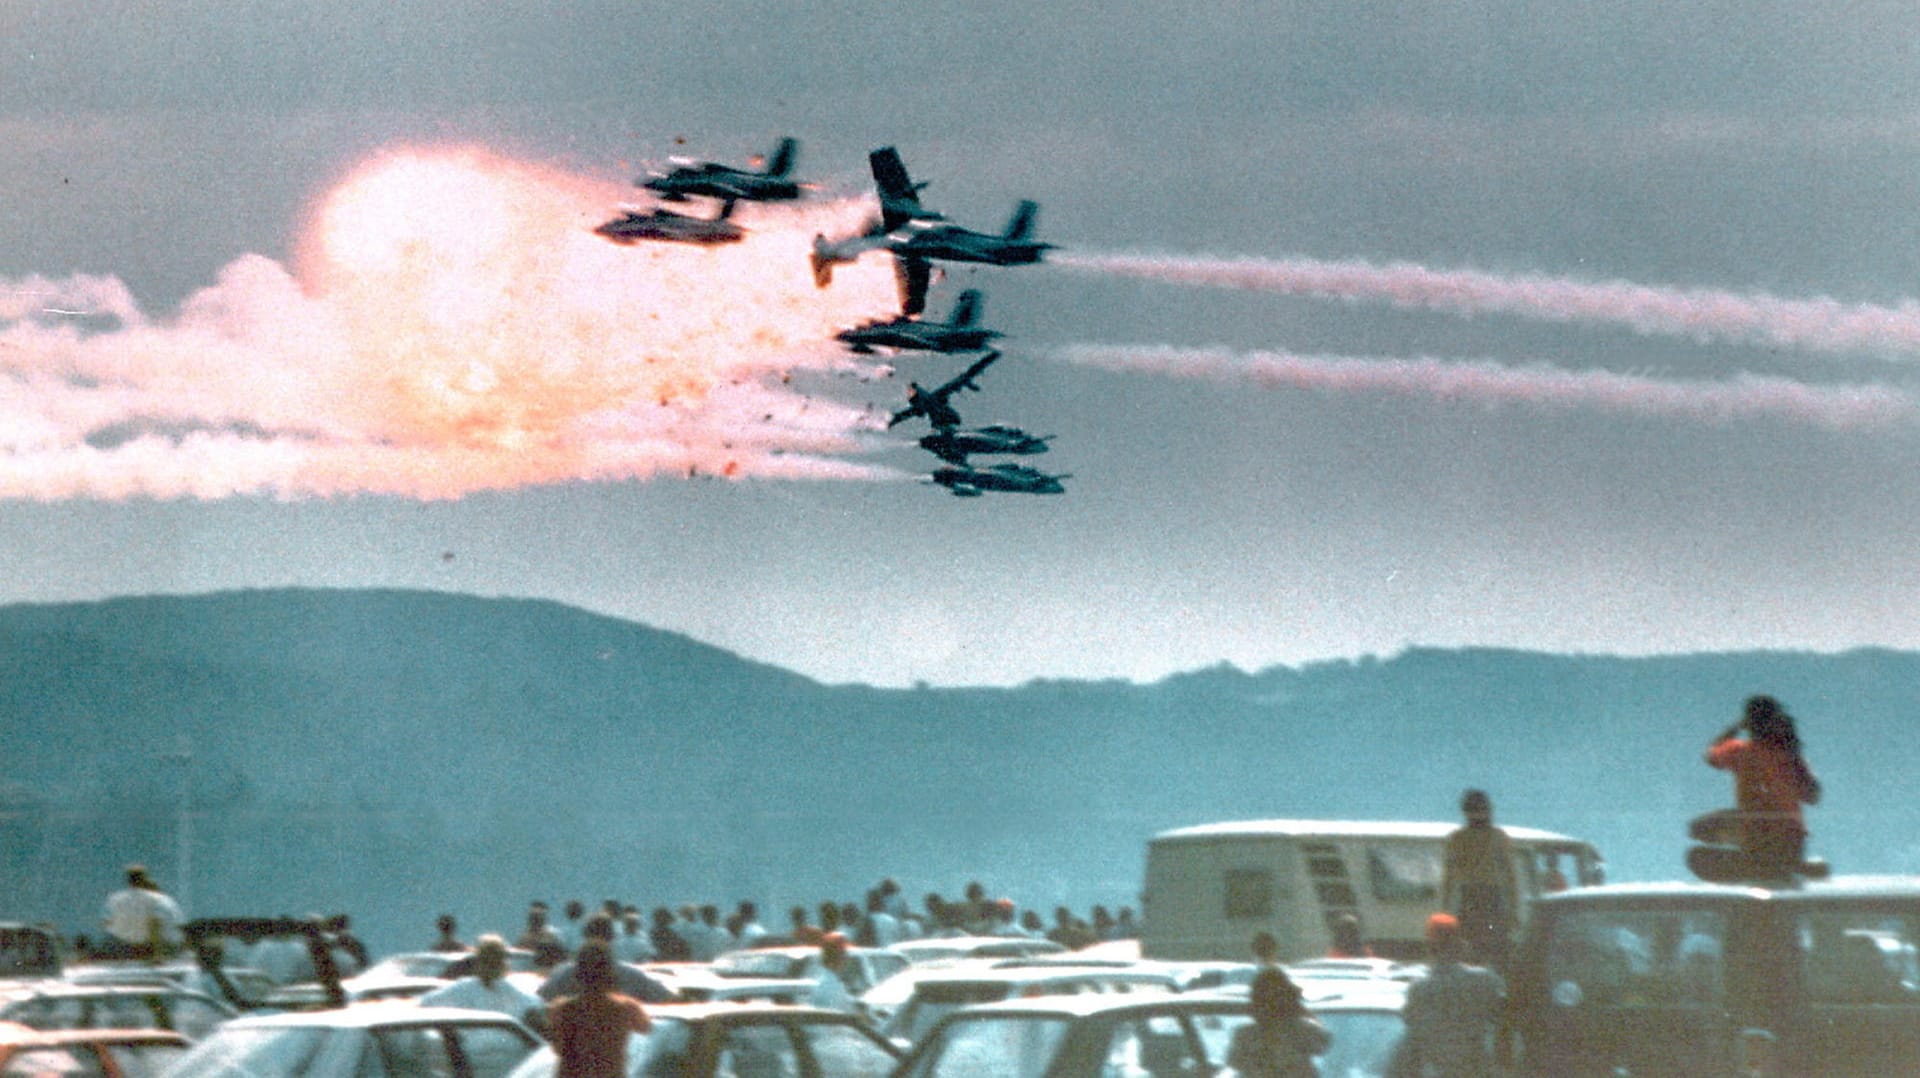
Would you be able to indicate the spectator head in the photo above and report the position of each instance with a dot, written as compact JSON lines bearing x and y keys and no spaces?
{"x":1476,"y":806}
{"x":490,"y":958}
{"x":1443,"y":936}
{"x":597,"y":927}
{"x":593,"y":968}
{"x":1266,"y":949}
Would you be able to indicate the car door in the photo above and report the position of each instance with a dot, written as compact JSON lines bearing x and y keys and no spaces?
{"x":844,"y":1050}
{"x":758,"y":1051}
{"x":1860,"y":968}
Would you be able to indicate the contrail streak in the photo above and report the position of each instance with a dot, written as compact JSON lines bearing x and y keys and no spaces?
{"x":1743,"y":397}
{"x":1814,"y":325}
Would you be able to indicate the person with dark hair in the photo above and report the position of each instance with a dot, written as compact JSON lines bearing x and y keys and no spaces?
{"x":1451,"y":1014}
{"x":629,"y":979}
{"x":1478,"y":884}
{"x":1283,"y":1038}
{"x":589,"y":1031}
{"x":449,"y":941}
{"x":1771,"y":780}
{"x":668,"y":944}
{"x":141,"y":920}
{"x":1348,"y":940}
{"x":538,"y":932}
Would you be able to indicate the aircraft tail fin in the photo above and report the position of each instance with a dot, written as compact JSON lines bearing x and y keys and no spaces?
{"x":966,"y":308}
{"x":782,"y":160}
{"x":1022,"y":224}
{"x":726,"y":210}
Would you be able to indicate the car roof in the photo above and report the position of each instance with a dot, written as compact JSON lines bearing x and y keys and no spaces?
{"x":13,"y":1033}
{"x":1085,"y":1004}
{"x":370,"y":1015}
{"x":749,"y":1011}
{"x":1847,"y":887}
{"x":1381,"y":829}
{"x":46,"y":988}
{"x":1045,"y":974}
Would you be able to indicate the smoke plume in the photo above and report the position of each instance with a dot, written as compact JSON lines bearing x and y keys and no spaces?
{"x":1815,"y":325}
{"x":450,"y":324}
{"x":1743,"y":397}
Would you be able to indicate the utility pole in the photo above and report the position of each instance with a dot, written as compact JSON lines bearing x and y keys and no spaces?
{"x":183,"y":826}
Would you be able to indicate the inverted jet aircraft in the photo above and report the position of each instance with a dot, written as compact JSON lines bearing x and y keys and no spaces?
{"x":724,"y":181}
{"x":958,"y":333}
{"x":932,"y":403}
{"x":952,"y":445}
{"x":632,"y":227}
{"x":967,"y":482}
{"x":917,"y":245}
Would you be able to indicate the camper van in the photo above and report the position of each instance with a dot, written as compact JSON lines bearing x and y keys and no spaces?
{"x":1210,"y":888}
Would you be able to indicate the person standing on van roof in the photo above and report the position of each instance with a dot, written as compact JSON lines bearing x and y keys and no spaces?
{"x":1451,"y":1013}
{"x":1771,"y":780}
{"x":1477,"y":882}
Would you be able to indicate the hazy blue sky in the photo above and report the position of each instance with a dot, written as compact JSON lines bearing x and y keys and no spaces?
{"x":1520,"y":347}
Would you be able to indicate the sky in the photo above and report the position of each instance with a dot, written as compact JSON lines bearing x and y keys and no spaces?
{"x":1578,"y":328}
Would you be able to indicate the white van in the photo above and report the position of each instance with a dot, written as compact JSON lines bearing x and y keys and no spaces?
{"x":1210,"y":888}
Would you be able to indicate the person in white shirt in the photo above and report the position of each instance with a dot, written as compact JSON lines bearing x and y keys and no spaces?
{"x":141,"y":920}
{"x":489,"y":989}
{"x":831,"y":991}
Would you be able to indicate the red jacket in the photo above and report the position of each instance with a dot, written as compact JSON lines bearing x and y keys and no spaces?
{"x":1766,"y":778}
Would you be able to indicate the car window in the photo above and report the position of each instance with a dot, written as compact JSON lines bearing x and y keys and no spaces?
{"x":845,"y":1052}
{"x":194,"y":1018}
{"x":254,"y":1053}
{"x":1363,"y":1041}
{"x":994,"y":1047}
{"x":491,"y":1051}
{"x":758,"y":1052}
{"x":1216,"y":1033}
{"x":1155,"y":1046}
{"x":144,"y":1060}
{"x":36,"y":1062}
{"x":1859,"y":956}
{"x":1637,"y":958}
{"x":884,"y":964}
{"x":413,"y":1052}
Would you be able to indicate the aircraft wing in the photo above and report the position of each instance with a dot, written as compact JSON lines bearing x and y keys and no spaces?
{"x":965,"y":379}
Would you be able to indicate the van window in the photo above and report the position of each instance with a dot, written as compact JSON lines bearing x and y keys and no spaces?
{"x":1637,"y":958}
{"x":1404,"y":873}
{"x":1249,"y":892}
{"x":1859,"y":956}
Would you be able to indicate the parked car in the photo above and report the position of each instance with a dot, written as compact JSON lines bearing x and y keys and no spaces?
{"x":936,"y":995}
{"x":870,"y":965}
{"x":98,"y":1053}
{"x":1807,"y":978}
{"x":707,"y":1040}
{"x":48,"y":1005}
{"x":937,"y":948}
{"x":375,"y":1040}
{"x":1083,"y":1036}
{"x":1364,"y":1018}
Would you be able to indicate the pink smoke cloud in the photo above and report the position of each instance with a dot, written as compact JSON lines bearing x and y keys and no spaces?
{"x":1816,"y":325}
{"x":1743,"y":397}
{"x":451,"y":325}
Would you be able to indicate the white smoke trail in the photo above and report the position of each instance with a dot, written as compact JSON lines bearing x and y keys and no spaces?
{"x":1743,"y":397}
{"x":452,"y":325}
{"x":1815,"y":325}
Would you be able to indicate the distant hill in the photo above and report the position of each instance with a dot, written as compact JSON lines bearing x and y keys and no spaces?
{"x":395,"y":754}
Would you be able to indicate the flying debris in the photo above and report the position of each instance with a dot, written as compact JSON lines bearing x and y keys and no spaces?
{"x":633,"y":226}
{"x":966,"y":482}
{"x":953,"y":445}
{"x":959,"y":333}
{"x":724,"y":181}
{"x":932,"y":403}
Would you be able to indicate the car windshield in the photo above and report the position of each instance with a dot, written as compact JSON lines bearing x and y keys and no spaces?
{"x":992,"y":1046}
{"x":61,"y":1061}
{"x":1363,"y":1041}
{"x":411,"y":965}
{"x":144,"y":1060}
{"x":253,"y":1052}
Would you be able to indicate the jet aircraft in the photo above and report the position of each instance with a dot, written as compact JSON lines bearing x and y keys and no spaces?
{"x":725,"y":181}
{"x":952,"y":445}
{"x":958,"y":333}
{"x":917,"y":245}
{"x":932,"y":403}
{"x":632,"y":227}
{"x":966,"y":482}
